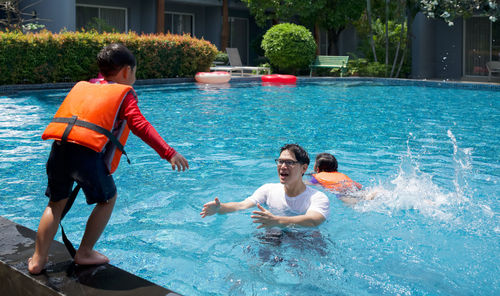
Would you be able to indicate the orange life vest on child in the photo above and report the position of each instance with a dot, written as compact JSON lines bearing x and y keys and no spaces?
{"x":336,"y":181}
{"x":88,"y":116}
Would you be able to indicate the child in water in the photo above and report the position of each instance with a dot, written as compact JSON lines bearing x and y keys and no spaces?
{"x":326,"y":175}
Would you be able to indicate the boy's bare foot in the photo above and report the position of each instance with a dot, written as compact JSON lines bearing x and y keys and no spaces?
{"x":36,"y":264}
{"x":90,"y":258}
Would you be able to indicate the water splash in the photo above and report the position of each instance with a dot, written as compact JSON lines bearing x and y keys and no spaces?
{"x":413,"y":189}
{"x":463,"y":166}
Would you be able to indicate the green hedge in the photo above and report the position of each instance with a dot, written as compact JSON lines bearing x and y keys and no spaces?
{"x":71,"y":56}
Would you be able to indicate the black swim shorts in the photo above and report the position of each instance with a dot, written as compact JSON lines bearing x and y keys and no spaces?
{"x":69,"y":163}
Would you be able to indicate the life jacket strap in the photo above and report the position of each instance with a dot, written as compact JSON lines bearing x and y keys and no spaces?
{"x":72,"y":121}
{"x":69,"y":203}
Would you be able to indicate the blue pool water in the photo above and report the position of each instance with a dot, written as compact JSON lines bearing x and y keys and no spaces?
{"x":432,"y":155}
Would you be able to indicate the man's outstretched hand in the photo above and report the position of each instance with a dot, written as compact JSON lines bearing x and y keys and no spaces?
{"x":210,"y":208}
{"x":264,"y":218}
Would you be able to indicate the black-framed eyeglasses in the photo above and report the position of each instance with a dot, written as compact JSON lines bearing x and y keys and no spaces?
{"x":288,"y":162}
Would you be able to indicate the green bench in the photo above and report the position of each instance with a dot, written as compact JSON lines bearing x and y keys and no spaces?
{"x":330,"y":62}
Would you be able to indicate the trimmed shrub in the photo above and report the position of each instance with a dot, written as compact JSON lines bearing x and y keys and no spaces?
{"x":289,"y":47}
{"x":362,"y":67}
{"x":71,"y":56}
{"x":222,"y":58}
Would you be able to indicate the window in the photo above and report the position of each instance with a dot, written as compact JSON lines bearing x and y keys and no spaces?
{"x":101,"y":18}
{"x":495,"y":41}
{"x":481,"y":45}
{"x":238,"y":37}
{"x":179,"y":23}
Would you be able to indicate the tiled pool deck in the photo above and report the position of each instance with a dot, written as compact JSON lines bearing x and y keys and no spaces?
{"x":61,"y":276}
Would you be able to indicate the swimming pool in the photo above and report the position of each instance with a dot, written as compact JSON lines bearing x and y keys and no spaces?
{"x":432,"y":154}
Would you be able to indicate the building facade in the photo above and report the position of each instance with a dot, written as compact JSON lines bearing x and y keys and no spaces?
{"x":439,"y":51}
{"x":458,"y":52}
{"x":198,"y":18}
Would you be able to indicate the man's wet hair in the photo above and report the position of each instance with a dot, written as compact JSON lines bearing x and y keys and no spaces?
{"x":325,"y":162}
{"x":299,"y":152}
{"x":112,"y":58}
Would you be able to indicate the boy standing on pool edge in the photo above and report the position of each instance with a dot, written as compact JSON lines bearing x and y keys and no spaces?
{"x":86,"y":153}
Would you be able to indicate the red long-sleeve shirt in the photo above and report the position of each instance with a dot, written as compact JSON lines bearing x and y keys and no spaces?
{"x":143,"y":129}
{"x":139,"y":126}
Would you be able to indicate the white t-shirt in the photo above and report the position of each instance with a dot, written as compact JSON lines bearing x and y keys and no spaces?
{"x":274,"y":196}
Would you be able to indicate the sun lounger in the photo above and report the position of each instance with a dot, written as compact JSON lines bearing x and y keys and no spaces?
{"x":236,"y":65}
{"x":227,"y":69}
{"x":493,"y":67}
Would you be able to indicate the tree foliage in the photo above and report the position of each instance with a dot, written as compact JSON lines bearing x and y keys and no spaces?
{"x":284,"y":10}
{"x":448,"y":10}
{"x":14,"y":15}
{"x":328,"y":13}
{"x":336,"y":14}
{"x":331,"y":15}
{"x":394,"y":35}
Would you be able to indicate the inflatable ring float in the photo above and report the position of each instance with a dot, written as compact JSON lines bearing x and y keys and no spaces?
{"x":213,"y":77}
{"x":98,"y":79}
{"x":279,"y":79}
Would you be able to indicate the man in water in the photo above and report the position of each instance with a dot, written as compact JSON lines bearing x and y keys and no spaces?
{"x":298,"y":204}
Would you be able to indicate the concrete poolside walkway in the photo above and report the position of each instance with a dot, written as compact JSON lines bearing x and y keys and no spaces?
{"x":61,"y":276}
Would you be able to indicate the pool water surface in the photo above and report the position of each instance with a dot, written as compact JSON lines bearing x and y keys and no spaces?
{"x":431,"y":155}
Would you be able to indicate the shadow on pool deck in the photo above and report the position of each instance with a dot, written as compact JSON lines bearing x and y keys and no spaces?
{"x":61,"y":276}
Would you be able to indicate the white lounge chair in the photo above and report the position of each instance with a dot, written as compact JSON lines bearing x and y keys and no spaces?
{"x":493,"y":67}
{"x":227,"y":69}
{"x":236,"y":65}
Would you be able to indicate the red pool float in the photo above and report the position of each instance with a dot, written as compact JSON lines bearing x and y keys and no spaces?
{"x":279,"y":79}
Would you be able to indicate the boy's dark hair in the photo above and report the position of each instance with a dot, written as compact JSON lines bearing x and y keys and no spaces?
{"x":112,"y":58}
{"x":325,"y":162}
{"x":299,"y":152}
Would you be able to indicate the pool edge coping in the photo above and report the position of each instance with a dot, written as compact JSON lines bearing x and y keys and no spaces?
{"x":13,"y":88}
{"x":62,"y":276}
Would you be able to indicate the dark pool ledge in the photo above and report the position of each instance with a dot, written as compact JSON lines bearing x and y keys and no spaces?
{"x":61,"y":276}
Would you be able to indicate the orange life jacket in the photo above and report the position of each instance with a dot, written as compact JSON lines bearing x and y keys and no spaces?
{"x":336,"y":181}
{"x":88,"y":116}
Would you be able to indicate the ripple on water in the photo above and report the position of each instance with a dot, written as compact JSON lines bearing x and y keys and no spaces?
{"x":430,"y":155}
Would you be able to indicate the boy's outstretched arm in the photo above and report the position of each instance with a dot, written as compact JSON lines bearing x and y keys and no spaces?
{"x":216,"y":206}
{"x":144,"y":130}
{"x":178,"y":161}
